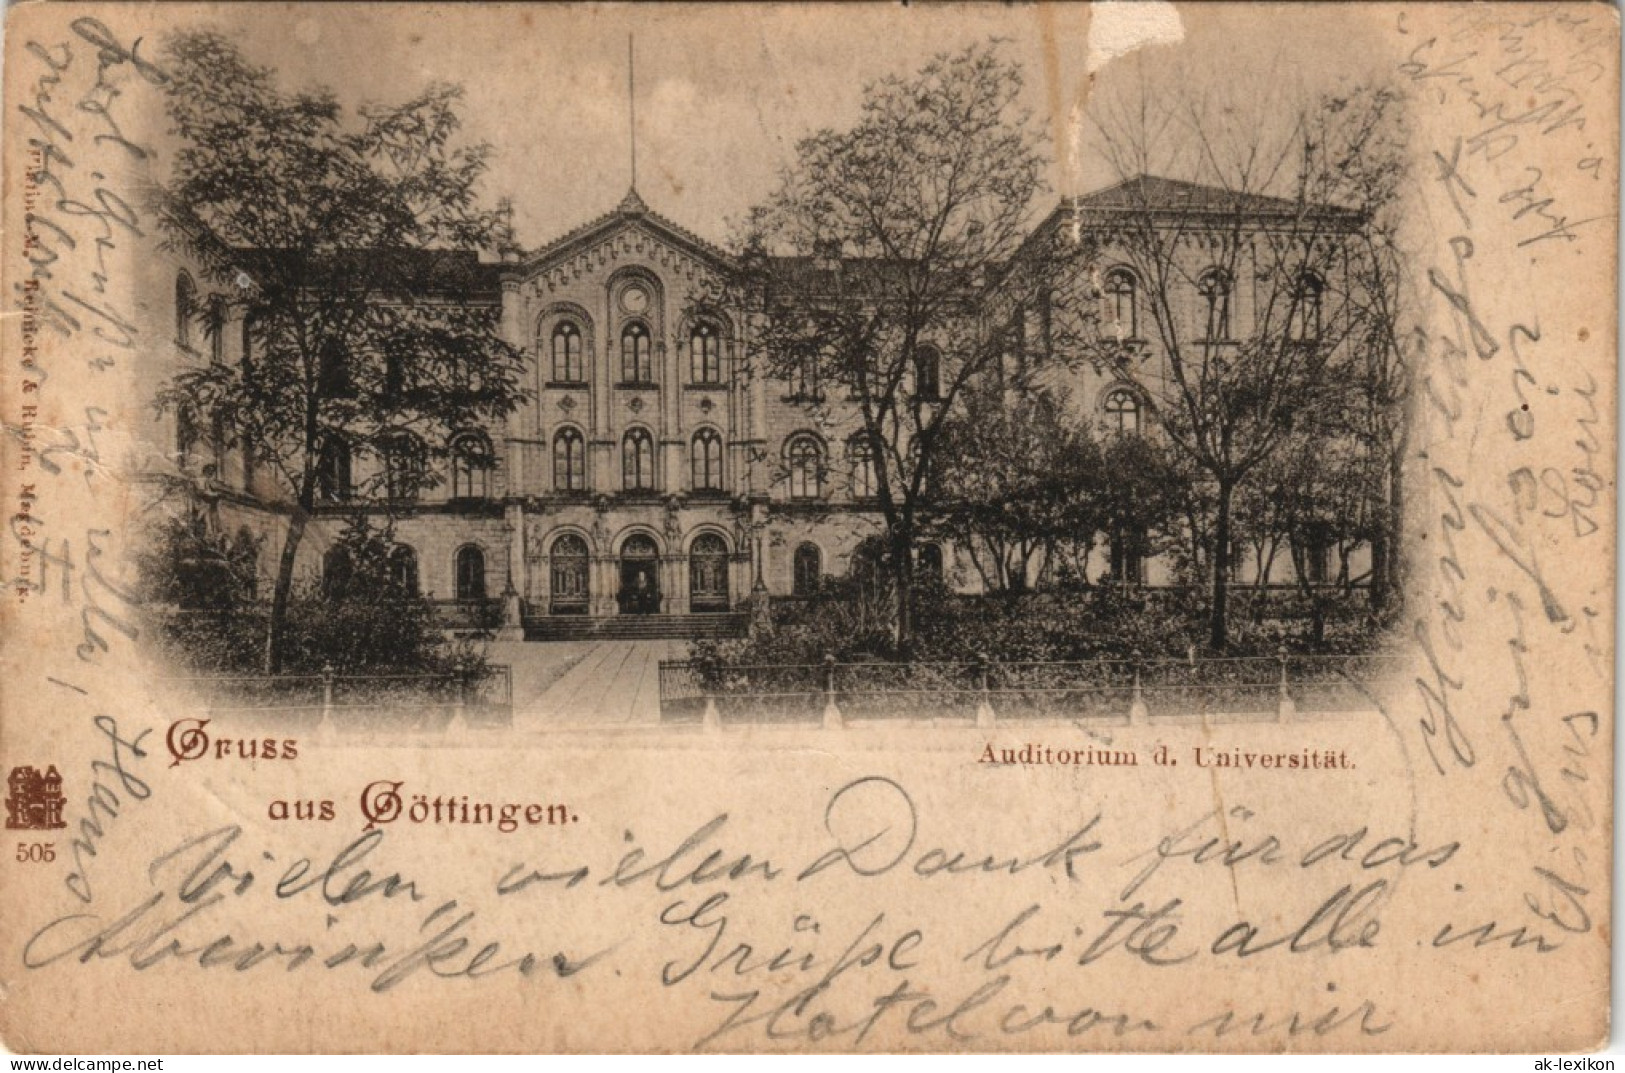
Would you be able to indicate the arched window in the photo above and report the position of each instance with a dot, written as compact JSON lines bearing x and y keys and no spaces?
{"x":928,"y":562}
{"x":336,"y":573}
{"x":860,"y":452}
{"x":809,"y":568}
{"x":806,"y":461}
{"x":470,"y":466}
{"x":403,"y":570}
{"x":185,"y":309}
{"x":637,"y":362}
{"x":705,"y":354}
{"x":638,"y":461}
{"x":1303,"y":319}
{"x":1122,"y":409}
{"x":403,"y":466}
{"x":1214,"y":287}
{"x":708,"y":573}
{"x":928,"y":373}
{"x":804,"y":377}
{"x":568,"y":574}
{"x":569,"y":461}
{"x":470,"y":569}
{"x":1122,"y":304}
{"x":333,"y":471}
{"x":567,"y":362}
{"x":705,"y":460}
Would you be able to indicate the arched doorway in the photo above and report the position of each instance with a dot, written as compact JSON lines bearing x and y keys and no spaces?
{"x":708,"y":573}
{"x":568,"y":570}
{"x":640,"y":576}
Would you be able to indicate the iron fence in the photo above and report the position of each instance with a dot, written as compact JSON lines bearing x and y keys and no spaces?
{"x":1124,"y":690}
{"x":358,"y":701}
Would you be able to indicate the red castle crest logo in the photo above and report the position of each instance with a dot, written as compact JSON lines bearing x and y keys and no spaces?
{"x":34,"y":799}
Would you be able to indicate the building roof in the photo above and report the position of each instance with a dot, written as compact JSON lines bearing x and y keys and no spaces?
{"x":632,"y":207}
{"x":1155,"y":193}
{"x":435,"y":273}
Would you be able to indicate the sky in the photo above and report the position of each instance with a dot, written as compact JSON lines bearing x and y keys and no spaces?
{"x":723,"y":92}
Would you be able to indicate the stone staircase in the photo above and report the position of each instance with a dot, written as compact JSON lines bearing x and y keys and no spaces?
{"x":636,"y":627}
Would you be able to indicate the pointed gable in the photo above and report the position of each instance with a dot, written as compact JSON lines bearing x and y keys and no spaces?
{"x":630,"y":228}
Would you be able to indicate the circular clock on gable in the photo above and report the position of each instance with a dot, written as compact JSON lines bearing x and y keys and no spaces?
{"x":635,"y":299}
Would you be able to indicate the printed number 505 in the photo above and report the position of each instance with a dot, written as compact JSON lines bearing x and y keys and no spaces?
{"x":36,"y":852}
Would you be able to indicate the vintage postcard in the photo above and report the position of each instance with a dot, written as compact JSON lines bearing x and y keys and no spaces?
{"x":808,"y":528}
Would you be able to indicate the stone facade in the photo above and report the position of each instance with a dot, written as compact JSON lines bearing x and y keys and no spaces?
{"x":649,"y":468}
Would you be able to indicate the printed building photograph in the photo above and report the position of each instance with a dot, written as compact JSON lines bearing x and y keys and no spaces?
{"x":913,"y":408}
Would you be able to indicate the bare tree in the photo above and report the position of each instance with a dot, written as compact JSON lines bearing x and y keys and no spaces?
{"x":1253,"y":280}
{"x":340,"y":247}
{"x":873,"y":264}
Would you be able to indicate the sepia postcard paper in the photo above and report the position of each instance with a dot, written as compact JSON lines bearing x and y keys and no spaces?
{"x":808,"y":528}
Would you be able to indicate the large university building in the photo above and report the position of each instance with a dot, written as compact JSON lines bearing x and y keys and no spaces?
{"x":652,"y":468}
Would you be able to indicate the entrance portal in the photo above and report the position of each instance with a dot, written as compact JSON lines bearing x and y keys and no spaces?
{"x":640,"y":577}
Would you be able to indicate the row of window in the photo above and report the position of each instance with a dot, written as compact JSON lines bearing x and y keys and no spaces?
{"x":705,"y":361}
{"x":637,"y":354}
{"x":1121,"y":289}
{"x":471,"y":461}
{"x":804,"y":458}
{"x":403,"y":459}
{"x":468,"y":571}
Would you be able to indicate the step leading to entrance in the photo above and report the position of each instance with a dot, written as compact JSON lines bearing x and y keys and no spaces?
{"x":635,"y":627}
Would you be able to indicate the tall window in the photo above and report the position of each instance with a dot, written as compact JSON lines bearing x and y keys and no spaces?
{"x":403,"y":569}
{"x":567,"y":362}
{"x":1128,"y":560}
{"x":809,"y":568}
{"x":705,"y":354}
{"x":1122,"y":304}
{"x":804,"y":377}
{"x":928,"y":563}
{"x":186,"y":433}
{"x":403,"y":466}
{"x":248,"y":348}
{"x":638,"y":461}
{"x":470,"y":568}
{"x":805,"y":458}
{"x":637,"y":362}
{"x":470,"y":466}
{"x":708,"y":573}
{"x":568,"y":574}
{"x":705,"y":460}
{"x":185,"y":309}
{"x":1122,"y":408}
{"x":1214,"y":287}
{"x":337,"y":570}
{"x":1303,"y":321}
{"x":333,"y":471}
{"x":569,"y":461}
{"x":215,"y":325}
{"x":927,"y":373}
{"x":334,"y":372}
{"x":860,"y":452}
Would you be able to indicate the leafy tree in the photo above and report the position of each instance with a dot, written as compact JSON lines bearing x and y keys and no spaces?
{"x":1143,"y":495}
{"x":201,"y":587}
{"x":1020,"y":478}
{"x":873,"y":262}
{"x":364,"y":615}
{"x":334,"y":242}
